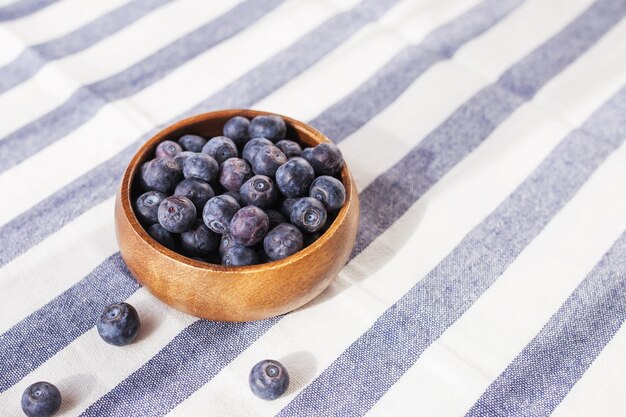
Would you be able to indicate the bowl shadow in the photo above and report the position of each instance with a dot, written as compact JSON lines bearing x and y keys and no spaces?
{"x":371,"y":260}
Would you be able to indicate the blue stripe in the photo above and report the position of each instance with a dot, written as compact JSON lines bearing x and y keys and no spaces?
{"x":49,"y":215}
{"x":85,"y":102}
{"x":33,"y":58}
{"x":373,"y":363}
{"x":322,"y":40}
{"x":546,"y":370}
{"x":46,"y":331}
{"x":97,"y":180}
{"x":201,"y":350}
{"x":21,"y":8}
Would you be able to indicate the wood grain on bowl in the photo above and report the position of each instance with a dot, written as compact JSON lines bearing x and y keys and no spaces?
{"x":228,"y":293}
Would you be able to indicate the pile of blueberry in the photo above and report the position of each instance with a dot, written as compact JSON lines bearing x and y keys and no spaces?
{"x":247,"y":197}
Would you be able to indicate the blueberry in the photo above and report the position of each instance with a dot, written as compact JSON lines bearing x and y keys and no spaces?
{"x":147,"y":206}
{"x":289,"y":148}
{"x":268,"y":379}
{"x":294,"y":177}
{"x":233,"y":173}
{"x":167,"y":149}
{"x":259,"y":191}
{"x":198,"y":191}
{"x":249,"y":225}
{"x":267,"y":159}
{"x":250,"y":149}
{"x":176,"y":214}
{"x":220,"y":148}
{"x":142,"y":174}
{"x":309,"y":214}
{"x":275,"y":218}
{"x":286,"y":205}
{"x":218,"y":212}
{"x":236,"y":128}
{"x":192,"y":143}
{"x":161,"y":174}
{"x":41,"y":399}
{"x":226,"y":243}
{"x":162,"y":236}
{"x":282,"y":241}
{"x":200,"y":166}
{"x":119,"y":324}
{"x":237,"y":196}
{"x":213,"y":258}
{"x":330,"y":191}
{"x":310,"y":238}
{"x":262,"y":255}
{"x":239,"y":255}
{"x":199,"y":241}
{"x":325,"y":158}
{"x":271,"y":127}
{"x":180,"y":158}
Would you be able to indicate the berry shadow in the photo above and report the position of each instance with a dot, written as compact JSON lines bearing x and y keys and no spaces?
{"x":301,"y":366}
{"x":149,"y":322}
{"x":73,"y":388}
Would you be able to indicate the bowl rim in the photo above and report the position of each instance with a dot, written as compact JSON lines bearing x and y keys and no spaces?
{"x":140,"y":156}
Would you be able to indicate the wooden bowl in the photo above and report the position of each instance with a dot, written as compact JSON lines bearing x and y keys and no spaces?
{"x":229,"y":293}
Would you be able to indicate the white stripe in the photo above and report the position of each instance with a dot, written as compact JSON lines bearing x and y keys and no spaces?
{"x":414,"y":23}
{"x":56,"y":81}
{"x":309,"y":339}
{"x":600,"y":391}
{"x":75,"y":250}
{"x":455,"y":370}
{"x":119,"y":123}
{"x":343,"y":4}
{"x":51,"y":22}
{"x":490,"y":58}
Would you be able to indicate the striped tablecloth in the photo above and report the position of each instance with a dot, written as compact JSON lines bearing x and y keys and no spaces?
{"x":487,"y":142}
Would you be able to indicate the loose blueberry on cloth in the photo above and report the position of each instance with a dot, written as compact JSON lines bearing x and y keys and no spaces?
{"x":41,"y":399}
{"x":119,"y":324}
{"x":268,"y":379}
{"x":250,"y":196}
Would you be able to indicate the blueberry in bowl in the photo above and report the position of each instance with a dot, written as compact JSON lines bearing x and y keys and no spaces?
{"x":240,"y":228}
